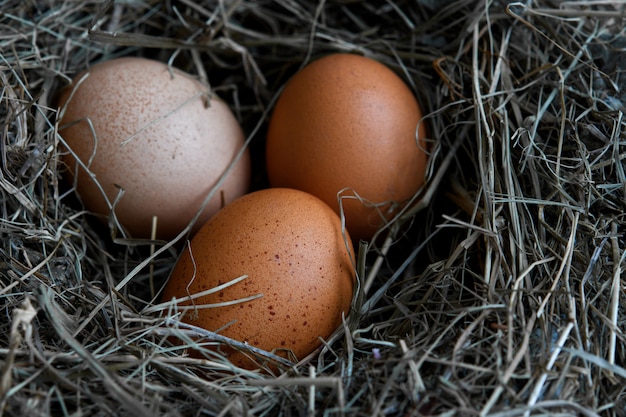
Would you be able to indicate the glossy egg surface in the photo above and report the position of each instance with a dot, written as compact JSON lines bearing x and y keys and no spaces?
{"x":349,"y":122}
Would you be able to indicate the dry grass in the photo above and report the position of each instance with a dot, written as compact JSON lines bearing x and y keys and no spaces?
{"x":500,"y":297}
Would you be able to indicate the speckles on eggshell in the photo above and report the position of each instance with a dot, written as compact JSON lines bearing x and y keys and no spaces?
{"x":154,"y":140}
{"x":256,"y":237}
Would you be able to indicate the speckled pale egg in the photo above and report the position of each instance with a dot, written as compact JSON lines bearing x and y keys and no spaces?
{"x":346,"y":121}
{"x":290,"y":245}
{"x":155,"y":142}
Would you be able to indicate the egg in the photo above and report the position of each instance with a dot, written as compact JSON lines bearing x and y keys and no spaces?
{"x":290,"y":246}
{"x":349,"y":122}
{"x":155,"y":142}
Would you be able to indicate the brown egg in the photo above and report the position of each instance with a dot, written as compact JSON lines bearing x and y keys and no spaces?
{"x":346,"y":121}
{"x":290,"y":245}
{"x":145,"y":128}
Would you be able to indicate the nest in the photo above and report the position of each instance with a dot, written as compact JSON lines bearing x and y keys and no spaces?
{"x":500,"y":294}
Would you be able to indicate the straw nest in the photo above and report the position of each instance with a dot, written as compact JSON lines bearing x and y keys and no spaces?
{"x":500,"y":294}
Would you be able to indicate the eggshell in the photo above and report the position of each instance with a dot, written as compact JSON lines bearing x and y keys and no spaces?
{"x":290,"y":245}
{"x":145,"y":128}
{"x":347,"y":121}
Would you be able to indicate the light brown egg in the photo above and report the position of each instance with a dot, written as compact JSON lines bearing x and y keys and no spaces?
{"x":145,"y":128}
{"x":346,"y":121}
{"x":290,"y":245}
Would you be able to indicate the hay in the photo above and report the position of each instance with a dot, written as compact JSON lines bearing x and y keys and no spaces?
{"x":500,"y":297}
